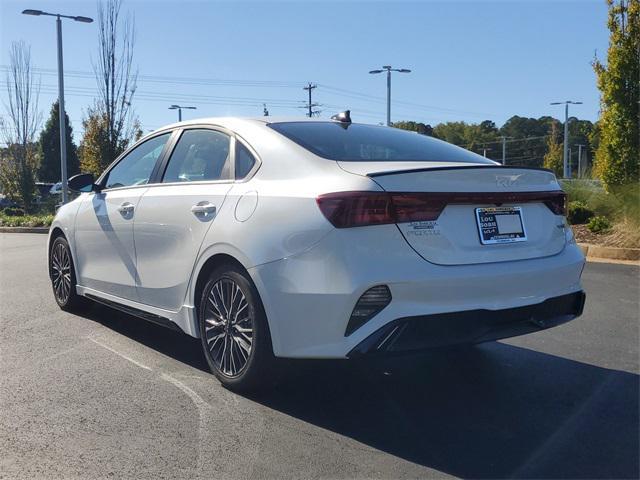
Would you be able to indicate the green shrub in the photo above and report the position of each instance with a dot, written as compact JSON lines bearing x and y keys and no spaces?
{"x":578,"y":213}
{"x":13,"y":212}
{"x":26,"y":221}
{"x":621,"y":204}
{"x":599,"y":225}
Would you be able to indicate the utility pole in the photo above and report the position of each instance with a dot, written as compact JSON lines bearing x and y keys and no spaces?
{"x":310,"y":105}
{"x":565,"y":153}
{"x":579,"y":160}
{"x":504,"y":149}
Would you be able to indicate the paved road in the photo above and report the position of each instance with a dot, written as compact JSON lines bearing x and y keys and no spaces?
{"x":106,"y":395}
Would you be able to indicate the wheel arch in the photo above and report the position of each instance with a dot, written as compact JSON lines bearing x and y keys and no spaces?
{"x":210,"y":264}
{"x":54,"y":233}
{"x":207,"y":266}
{"x":213,"y":257}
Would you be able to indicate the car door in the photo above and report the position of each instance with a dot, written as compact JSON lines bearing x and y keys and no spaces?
{"x":175,"y":215}
{"x":105,"y":250}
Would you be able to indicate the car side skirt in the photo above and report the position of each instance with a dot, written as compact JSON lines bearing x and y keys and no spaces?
{"x":183,"y":319}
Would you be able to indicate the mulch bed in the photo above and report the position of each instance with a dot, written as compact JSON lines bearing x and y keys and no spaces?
{"x":611,"y":239}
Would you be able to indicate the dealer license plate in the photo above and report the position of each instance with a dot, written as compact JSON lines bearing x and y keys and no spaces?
{"x":500,"y":225}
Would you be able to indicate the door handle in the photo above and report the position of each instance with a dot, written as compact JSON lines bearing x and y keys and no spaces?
{"x":203,"y":208}
{"x":126,"y":208}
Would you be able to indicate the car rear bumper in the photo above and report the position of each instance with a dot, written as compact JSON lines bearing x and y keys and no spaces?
{"x":309,"y":297}
{"x":471,"y":326}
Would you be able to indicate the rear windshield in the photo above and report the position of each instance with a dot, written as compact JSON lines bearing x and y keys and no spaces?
{"x":367,"y":143}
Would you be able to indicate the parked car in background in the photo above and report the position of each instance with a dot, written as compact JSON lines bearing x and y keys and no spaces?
{"x":56,"y":189}
{"x":316,"y":239}
{"x":6,"y":202}
{"x":44,"y":188}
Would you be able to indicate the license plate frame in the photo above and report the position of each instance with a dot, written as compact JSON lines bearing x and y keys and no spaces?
{"x":499,"y":225}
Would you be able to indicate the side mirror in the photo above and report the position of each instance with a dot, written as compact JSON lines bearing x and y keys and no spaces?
{"x":83,"y":182}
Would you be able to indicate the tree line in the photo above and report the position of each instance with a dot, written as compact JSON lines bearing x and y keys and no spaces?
{"x":529,"y":142}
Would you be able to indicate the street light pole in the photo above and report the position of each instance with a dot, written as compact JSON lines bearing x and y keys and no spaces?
{"x":180,"y":108}
{"x":62,"y":115}
{"x":388,"y":69}
{"x":580,"y":160}
{"x":565,"y":156}
{"x":565,"y":153}
{"x":61,"y":111}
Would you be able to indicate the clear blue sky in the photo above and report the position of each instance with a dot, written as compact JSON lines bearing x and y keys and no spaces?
{"x":471,"y":60}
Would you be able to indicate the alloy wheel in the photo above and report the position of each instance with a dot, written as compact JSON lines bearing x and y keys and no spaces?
{"x":228,"y":327}
{"x":61,"y":272}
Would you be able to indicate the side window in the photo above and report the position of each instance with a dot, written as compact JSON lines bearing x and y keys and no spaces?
{"x":199,"y":155}
{"x":244,"y":161}
{"x":136,"y":167}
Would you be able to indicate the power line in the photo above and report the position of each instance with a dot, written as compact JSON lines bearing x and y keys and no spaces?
{"x":175,"y":80}
{"x":524,"y":139}
{"x":332,"y":90}
{"x":373,"y":98}
{"x":168,"y":96}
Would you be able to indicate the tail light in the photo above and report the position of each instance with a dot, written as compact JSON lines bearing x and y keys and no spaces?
{"x":557,"y":203}
{"x":357,"y":209}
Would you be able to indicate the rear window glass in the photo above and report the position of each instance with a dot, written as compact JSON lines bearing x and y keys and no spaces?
{"x":367,"y":143}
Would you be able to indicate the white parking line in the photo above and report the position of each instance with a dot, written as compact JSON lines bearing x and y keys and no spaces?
{"x":97,"y":342}
{"x":204,"y":413}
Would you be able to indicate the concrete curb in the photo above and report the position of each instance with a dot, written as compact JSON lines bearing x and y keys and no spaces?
{"x":611,"y":253}
{"x":24,"y":229}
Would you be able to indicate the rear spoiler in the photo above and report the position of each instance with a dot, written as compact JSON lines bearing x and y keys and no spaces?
{"x":458,"y":167}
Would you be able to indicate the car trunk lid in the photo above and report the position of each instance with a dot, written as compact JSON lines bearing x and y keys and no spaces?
{"x":487,"y":213}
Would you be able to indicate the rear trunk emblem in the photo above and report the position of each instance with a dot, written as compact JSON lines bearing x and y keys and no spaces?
{"x":507,"y":180}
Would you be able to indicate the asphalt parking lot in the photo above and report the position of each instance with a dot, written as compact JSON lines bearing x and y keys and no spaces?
{"x":107,"y":395}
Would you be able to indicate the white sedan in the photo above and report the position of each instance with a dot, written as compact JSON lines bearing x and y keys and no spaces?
{"x":316,"y":239}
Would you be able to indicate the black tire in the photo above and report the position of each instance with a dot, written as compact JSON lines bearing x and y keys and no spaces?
{"x":239,"y":370}
{"x":63,"y":276}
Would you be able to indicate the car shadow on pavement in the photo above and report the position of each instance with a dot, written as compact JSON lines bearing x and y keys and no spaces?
{"x":171,"y":343}
{"x":490,"y":411}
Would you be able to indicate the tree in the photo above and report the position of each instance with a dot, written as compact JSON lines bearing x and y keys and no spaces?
{"x":49,"y":170}
{"x":116,"y":81}
{"x":553,"y":159}
{"x":94,"y":143}
{"x":472,"y":136}
{"x":528,"y":139}
{"x":618,"y":155}
{"x":19,"y":165}
{"x":419,"y":127}
{"x":452,"y":132}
